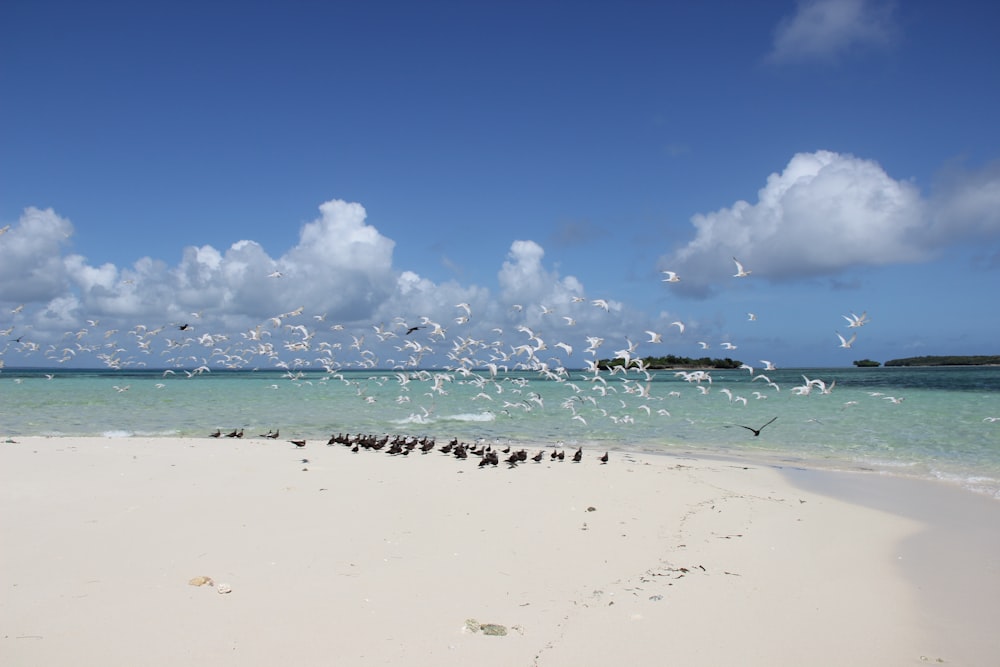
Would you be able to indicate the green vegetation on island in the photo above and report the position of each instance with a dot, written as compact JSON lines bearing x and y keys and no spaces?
{"x":672,"y":361}
{"x":975,"y":360}
{"x":867,"y":363}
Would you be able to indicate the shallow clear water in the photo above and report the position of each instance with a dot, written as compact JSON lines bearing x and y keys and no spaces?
{"x":939,"y":429}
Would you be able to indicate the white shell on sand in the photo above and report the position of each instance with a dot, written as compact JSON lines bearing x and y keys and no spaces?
{"x":224,"y":588}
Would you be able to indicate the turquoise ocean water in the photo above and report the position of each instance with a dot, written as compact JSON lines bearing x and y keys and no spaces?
{"x":924,"y":422}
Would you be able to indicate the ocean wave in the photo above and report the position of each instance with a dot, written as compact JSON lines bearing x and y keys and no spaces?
{"x":471,"y":417}
{"x":983,"y":484}
{"x":884,"y":463}
{"x":414,"y":419}
{"x":165,"y":433}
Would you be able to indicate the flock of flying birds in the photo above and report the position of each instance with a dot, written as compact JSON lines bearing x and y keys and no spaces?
{"x":292,"y":334}
{"x":310,"y":343}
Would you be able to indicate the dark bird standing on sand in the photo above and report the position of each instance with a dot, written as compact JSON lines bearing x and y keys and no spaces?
{"x":578,"y":456}
{"x":756,"y":431}
{"x":217,"y":434}
{"x":604,"y":459}
{"x":298,"y":443}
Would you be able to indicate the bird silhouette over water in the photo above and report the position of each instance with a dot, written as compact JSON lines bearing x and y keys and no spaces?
{"x":756,"y":431}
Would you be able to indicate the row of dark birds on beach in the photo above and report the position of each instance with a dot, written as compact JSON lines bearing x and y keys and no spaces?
{"x":399,"y":445}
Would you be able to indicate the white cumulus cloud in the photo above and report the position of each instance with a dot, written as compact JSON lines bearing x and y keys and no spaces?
{"x":31,"y":257}
{"x":524,"y":279}
{"x":823,"y":213}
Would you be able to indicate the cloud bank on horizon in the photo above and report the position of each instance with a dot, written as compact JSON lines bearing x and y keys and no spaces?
{"x":824,"y":214}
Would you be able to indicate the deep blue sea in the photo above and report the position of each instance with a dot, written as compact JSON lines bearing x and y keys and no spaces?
{"x":924,"y":422}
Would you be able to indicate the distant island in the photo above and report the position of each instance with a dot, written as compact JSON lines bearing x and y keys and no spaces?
{"x":975,"y":360}
{"x":867,"y":363}
{"x":672,"y":361}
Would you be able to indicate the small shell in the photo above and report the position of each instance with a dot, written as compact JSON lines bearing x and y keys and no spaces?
{"x":224,"y":588}
{"x":201,"y":581}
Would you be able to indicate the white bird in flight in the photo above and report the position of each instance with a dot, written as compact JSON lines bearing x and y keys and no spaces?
{"x":565,"y":346}
{"x":846,"y":342}
{"x":671,"y":277}
{"x":855,"y":321}
{"x":740,"y":271}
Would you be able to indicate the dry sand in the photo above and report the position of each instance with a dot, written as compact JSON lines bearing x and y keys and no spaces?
{"x":369,"y":559}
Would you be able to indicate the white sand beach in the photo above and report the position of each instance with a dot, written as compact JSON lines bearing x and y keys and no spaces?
{"x":370,"y":559}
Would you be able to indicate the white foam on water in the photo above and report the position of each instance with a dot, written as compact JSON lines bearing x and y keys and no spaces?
{"x":414,"y":419}
{"x":472,"y":417}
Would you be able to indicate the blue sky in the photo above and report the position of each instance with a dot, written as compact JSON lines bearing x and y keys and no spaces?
{"x":391,"y":160}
